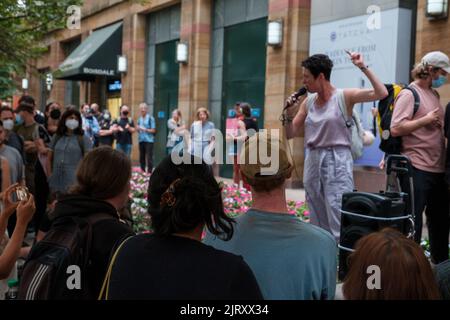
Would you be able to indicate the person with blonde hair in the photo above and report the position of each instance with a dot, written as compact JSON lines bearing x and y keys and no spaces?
{"x":176,"y":128}
{"x":201,"y":133}
{"x":147,"y":130}
{"x":404,"y":271}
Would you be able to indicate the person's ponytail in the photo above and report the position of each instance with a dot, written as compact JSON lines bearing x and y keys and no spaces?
{"x":183,"y":203}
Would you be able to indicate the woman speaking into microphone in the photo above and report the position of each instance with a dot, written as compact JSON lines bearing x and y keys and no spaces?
{"x":328,"y":171}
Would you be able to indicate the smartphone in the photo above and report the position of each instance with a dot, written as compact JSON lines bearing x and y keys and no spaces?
{"x":22,"y":193}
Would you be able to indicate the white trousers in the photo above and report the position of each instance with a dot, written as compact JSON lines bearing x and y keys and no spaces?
{"x":327,"y":175}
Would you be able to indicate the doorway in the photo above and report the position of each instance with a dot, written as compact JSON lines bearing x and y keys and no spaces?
{"x":244,"y":71}
{"x":166,"y":94}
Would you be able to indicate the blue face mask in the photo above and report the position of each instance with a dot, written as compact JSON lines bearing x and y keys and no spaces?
{"x":19,"y":119}
{"x":439,"y":81}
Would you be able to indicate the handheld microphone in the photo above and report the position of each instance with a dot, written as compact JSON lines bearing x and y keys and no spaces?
{"x":301,"y":92}
{"x":293,"y":98}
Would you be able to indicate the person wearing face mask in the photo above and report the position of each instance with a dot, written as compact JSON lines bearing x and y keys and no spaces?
{"x":12,"y":139}
{"x":125,"y":129}
{"x":97,"y":115}
{"x":106,"y":133}
{"x":68,"y":146}
{"x":38,"y":116}
{"x":36,"y":139}
{"x":423,"y":142}
{"x":89,"y":123}
{"x":52,"y":116}
{"x":35,"y":136}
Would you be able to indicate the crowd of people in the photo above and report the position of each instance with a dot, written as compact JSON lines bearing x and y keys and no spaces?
{"x":65,"y":159}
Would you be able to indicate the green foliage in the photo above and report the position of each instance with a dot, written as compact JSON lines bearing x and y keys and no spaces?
{"x":24,"y":25}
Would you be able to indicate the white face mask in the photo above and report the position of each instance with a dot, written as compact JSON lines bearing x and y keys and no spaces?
{"x":8,"y":124}
{"x":72,"y":124}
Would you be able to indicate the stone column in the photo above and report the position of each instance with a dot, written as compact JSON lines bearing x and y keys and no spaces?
{"x":133,"y":82}
{"x":284,"y":72}
{"x":84,"y":85}
{"x":57,"y":57}
{"x":194,"y":75}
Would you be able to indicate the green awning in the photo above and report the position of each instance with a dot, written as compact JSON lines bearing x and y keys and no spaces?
{"x":95,"y":56}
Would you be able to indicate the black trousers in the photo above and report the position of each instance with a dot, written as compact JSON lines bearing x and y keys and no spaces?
{"x":431,"y":195}
{"x":146,"y":155}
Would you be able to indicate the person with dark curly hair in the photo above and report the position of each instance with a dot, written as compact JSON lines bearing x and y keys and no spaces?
{"x":173,"y":263}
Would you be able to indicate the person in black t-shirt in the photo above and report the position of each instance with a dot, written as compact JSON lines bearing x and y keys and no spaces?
{"x":250,"y":123}
{"x":125,"y":127}
{"x":107,"y":130}
{"x":172,"y":263}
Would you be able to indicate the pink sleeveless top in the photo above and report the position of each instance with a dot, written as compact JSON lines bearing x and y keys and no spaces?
{"x":325,"y":125}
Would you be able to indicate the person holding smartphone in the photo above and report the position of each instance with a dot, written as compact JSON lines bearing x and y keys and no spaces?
{"x":10,"y":248}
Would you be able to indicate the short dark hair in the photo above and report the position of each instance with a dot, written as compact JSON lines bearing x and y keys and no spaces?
{"x":94,"y":176}
{"x":317,"y":64}
{"x":27,"y":99}
{"x":196,"y":196}
{"x":246,"y":109}
{"x":5,"y":108}
{"x":62,"y":129}
{"x":47,"y":107}
{"x":25,"y":106}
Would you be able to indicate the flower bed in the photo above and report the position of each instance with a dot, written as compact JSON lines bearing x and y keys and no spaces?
{"x":139,"y":204}
{"x":236,"y":202}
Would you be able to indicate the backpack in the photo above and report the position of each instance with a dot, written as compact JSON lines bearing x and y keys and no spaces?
{"x":52,"y":264}
{"x":390,"y":144}
{"x":357,"y":146}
